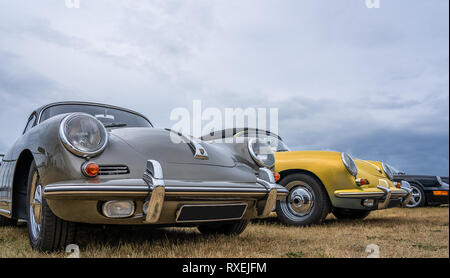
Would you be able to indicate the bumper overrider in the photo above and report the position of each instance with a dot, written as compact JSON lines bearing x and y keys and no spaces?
{"x":380,"y":197}
{"x":164,"y":201}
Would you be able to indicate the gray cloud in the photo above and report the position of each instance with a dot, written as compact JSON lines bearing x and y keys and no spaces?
{"x":373,"y":82}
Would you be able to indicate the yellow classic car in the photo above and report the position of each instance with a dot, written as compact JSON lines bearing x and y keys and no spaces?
{"x":320,"y":182}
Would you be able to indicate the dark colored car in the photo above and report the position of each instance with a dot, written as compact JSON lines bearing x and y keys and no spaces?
{"x":427,"y":190}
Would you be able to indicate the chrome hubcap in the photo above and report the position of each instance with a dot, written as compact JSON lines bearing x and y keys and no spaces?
{"x":416,"y":197}
{"x":300,"y":201}
{"x":36,"y":210}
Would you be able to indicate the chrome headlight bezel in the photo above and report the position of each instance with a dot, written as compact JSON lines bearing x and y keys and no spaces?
{"x":255,"y":157}
{"x":350,"y":164}
{"x":71,"y":147}
{"x":387,"y":171}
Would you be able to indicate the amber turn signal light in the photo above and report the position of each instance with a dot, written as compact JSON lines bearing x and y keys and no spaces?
{"x":440,"y":193}
{"x":90,"y":169}
{"x":276,"y":176}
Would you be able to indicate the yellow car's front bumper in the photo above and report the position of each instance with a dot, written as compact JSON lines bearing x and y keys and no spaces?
{"x":382,"y":195}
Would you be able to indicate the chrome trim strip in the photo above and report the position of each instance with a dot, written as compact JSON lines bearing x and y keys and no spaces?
{"x":358,"y":195}
{"x":63,"y":188}
{"x":4,"y":211}
{"x":212,"y":220}
{"x":216,"y":189}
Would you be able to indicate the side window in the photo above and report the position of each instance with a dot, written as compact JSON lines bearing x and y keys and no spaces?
{"x":30,"y":123}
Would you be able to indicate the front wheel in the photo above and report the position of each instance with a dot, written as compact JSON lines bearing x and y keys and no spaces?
{"x":307,"y":202}
{"x":46,"y":231}
{"x":350,"y":213}
{"x":231,"y":229}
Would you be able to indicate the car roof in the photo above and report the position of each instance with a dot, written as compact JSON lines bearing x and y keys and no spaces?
{"x":39,"y":110}
{"x":230,"y":132}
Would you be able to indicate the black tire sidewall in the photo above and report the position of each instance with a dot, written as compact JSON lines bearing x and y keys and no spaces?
{"x":55,"y":233}
{"x":321,"y":203}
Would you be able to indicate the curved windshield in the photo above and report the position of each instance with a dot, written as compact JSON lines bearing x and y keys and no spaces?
{"x":394,"y":170}
{"x":110,"y":117}
{"x":275,"y":143}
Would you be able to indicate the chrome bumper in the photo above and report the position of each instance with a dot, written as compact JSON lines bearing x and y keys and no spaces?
{"x":407,"y":187}
{"x":157,"y":194}
{"x":384,"y":196}
{"x":154,"y":178}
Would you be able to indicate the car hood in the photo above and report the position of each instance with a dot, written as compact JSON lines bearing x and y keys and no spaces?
{"x":156,"y":144}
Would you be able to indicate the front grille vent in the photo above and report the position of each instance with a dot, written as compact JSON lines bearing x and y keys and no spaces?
{"x":107,"y":170}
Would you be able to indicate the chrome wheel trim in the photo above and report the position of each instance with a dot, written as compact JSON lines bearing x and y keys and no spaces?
{"x":416,"y":197}
{"x":35,"y":208}
{"x":300,"y":201}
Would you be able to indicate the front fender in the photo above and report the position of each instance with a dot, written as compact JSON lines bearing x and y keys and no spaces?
{"x":326,"y":166}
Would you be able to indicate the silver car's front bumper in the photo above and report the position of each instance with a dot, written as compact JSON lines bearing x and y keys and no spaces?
{"x":159,"y":194}
{"x":154,"y":178}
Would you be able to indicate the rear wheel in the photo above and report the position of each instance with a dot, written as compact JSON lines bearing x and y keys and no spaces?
{"x":46,"y":231}
{"x":350,"y":213}
{"x":307,"y":202}
{"x":231,"y":228}
{"x":417,"y":198}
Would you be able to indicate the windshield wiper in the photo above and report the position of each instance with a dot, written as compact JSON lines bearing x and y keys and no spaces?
{"x":115,"y":125}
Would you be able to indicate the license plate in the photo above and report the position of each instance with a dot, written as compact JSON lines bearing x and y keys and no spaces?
{"x":209,"y":213}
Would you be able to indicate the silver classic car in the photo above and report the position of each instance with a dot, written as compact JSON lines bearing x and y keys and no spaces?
{"x":93,"y":163}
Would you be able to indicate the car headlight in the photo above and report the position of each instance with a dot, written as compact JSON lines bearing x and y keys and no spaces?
{"x":349,"y":164}
{"x":83,"y":135}
{"x":387,"y":171}
{"x":261,"y":152}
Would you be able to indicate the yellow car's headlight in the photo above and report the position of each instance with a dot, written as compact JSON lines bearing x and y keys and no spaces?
{"x":387,"y":171}
{"x":349,"y":164}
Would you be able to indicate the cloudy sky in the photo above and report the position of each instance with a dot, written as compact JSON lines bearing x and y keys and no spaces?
{"x":372,"y":82}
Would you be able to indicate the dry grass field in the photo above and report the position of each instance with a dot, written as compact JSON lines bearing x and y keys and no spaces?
{"x":421,"y":232}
